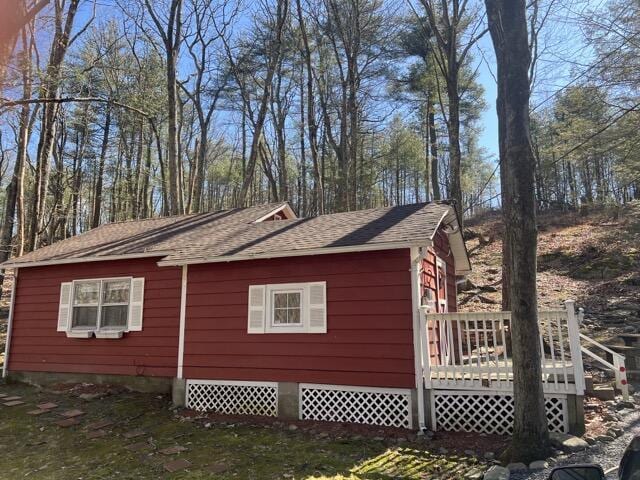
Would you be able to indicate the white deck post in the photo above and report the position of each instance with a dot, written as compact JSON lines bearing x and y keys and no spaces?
{"x":574,"y":345}
{"x":621,"y":376}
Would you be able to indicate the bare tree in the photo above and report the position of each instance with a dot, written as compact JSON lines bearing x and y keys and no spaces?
{"x":508,"y":26}
{"x":64,"y":17}
{"x":209,"y":22}
{"x":312,"y":124}
{"x":169,"y":27}
{"x":274,"y":51}
{"x":15,"y":188}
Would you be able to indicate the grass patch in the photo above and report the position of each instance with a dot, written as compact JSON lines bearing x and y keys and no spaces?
{"x":34,"y":447}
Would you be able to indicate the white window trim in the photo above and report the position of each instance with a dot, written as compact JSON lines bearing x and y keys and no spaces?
{"x":303,"y":289}
{"x":98,"y":330}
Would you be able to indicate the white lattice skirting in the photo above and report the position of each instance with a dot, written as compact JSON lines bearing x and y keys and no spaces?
{"x":233,"y":398}
{"x":488,"y":412}
{"x":373,"y":406}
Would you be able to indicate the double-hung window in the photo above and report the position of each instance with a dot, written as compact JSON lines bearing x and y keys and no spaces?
{"x":287,"y":308}
{"x":101,"y":304}
{"x":104,"y":307}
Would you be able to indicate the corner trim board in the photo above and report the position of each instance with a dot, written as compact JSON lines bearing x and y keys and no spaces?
{"x":183,"y":318}
{"x":5,"y":369}
{"x":415,"y":258}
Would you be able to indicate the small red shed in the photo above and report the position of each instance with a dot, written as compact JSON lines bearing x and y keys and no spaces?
{"x":246,"y":310}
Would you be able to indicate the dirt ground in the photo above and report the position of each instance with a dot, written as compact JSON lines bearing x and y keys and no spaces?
{"x":590,"y":257}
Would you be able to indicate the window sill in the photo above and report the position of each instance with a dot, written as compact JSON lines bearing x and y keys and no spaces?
{"x":80,"y":334}
{"x":99,"y":333}
{"x":277,"y":330}
{"x":109,"y":333}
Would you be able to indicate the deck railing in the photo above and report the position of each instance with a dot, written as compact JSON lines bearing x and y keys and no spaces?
{"x":473,"y":351}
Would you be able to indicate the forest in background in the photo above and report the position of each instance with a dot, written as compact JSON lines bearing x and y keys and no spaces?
{"x":115,"y":110}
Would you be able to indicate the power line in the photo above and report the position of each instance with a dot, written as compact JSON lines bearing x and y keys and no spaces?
{"x":611,"y":123}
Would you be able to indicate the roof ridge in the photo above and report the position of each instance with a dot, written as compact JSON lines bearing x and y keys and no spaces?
{"x":186,"y":215}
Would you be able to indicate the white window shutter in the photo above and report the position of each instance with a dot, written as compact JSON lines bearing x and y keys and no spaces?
{"x":64,"y":309}
{"x":256,"y":316}
{"x":317,"y":307}
{"x":136,"y":304}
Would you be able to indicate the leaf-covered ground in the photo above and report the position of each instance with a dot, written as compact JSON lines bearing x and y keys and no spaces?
{"x":35,"y":447}
{"x":592,"y":257}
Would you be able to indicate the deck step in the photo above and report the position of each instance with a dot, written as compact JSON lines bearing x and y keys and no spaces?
{"x":630,"y":339}
{"x":588,"y":384}
{"x":604,"y":392}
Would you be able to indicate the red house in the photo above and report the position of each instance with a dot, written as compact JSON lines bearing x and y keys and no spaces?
{"x":248,"y":310}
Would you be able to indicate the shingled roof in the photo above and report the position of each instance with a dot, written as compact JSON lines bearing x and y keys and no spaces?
{"x":237,"y":234}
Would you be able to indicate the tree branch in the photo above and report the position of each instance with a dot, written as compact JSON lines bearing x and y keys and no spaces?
{"x":6,"y":103}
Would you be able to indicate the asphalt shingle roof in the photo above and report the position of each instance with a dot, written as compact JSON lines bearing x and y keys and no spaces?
{"x":233,"y":233}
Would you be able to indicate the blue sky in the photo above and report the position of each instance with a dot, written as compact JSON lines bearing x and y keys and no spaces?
{"x":489,"y":135}
{"x":565,"y":41}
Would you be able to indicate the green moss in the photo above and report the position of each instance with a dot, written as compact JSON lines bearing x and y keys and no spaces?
{"x":37,"y":448}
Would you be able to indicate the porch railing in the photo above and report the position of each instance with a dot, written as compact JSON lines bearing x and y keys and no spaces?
{"x":617,"y":365}
{"x":473,"y":351}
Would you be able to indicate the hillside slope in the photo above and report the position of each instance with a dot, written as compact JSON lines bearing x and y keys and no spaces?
{"x":593,"y":258}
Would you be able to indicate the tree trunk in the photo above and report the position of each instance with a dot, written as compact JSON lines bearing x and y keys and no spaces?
{"x":281,"y":16}
{"x":455,"y":156}
{"x":508,"y":27}
{"x":433,"y":146}
{"x":311,"y":116}
{"x":14,"y":17}
{"x":15,"y":187}
{"x":97,"y":198}
{"x":49,"y":89}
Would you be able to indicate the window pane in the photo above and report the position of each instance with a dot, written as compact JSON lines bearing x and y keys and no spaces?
{"x":294,"y":315}
{"x":115,"y":291}
{"x":86,"y":293}
{"x":293,"y":299}
{"x":279,"y":300}
{"x":280,"y":316}
{"x":84,"y":317}
{"x":114,"y":316}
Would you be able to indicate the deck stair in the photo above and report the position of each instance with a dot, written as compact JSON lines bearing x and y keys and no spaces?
{"x":602,"y":390}
{"x":631,"y":353}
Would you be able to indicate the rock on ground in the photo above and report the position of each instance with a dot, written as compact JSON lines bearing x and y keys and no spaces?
{"x":607,"y":455}
{"x":497,"y":473}
{"x":567,"y":443}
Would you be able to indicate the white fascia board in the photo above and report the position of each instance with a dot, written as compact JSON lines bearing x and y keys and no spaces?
{"x":295,"y":253}
{"x":104,"y":258}
{"x":456,"y":244}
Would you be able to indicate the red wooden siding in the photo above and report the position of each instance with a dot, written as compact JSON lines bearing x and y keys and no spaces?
{"x":369,"y":336}
{"x":429,"y":269}
{"x":37,"y":346}
{"x":441,"y":242}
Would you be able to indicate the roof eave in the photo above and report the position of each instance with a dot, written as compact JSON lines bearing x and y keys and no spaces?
{"x":294,"y":253}
{"x":456,"y":242}
{"x":103,"y":258}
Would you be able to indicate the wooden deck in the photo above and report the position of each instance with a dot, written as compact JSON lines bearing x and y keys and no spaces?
{"x":472,"y":352}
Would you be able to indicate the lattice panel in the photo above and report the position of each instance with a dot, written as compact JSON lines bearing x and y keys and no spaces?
{"x":490,"y":413}
{"x":369,"y":406}
{"x":233,"y":398}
